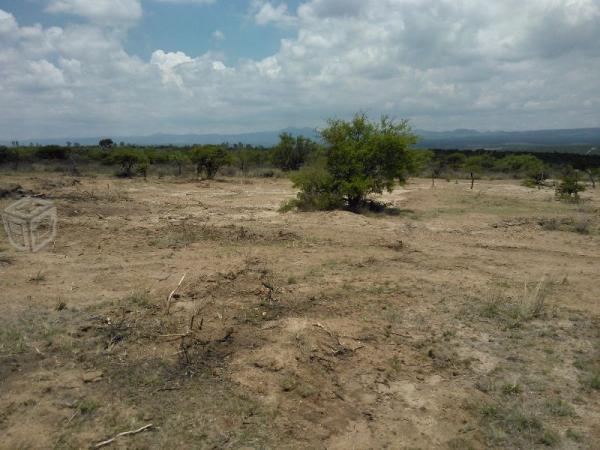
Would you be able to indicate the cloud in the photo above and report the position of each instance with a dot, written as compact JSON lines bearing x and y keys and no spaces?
{"x":197,"y":2}
{"x":218,"y":35}
{"x":8,"y":24}
{"x":441,"y":63}
{"x":265,"y":12}
{"x":106,"y":12}
{"x":167,"y":62}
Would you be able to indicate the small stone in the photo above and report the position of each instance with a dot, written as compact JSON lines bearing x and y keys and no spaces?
{"x":92,"y":377}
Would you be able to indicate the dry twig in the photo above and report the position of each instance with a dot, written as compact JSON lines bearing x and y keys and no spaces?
{"x":124,"y":433}
{"x":173,"y":293}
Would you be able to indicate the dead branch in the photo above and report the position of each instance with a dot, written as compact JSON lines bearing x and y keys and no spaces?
{"x":173,"y":293}
{"x":124,"y":433}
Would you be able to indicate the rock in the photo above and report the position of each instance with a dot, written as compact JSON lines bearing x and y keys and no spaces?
{"x":92,"y":377}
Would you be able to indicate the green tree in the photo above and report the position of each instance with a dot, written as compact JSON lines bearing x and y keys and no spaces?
{"x":474,"y":166}
{"x":291,"y":153}
{"x":142,"y":167}
{"x":52,"y":152}
{"x":436,"y":166}
{"x":128,"y":159}
{"x":455,"y":161}
{"x":180,"y":159}
{"x":106,"y":143}
{"x":569,"y":187}
{"x":210,"y":159}
{"x":360,"y":158}
{"x":536,"y":173}
{"x":9,"y":155}
{"x":516,"y":164}
{"x":593,"y":173}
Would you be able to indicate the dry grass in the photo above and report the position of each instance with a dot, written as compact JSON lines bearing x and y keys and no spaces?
{"x":363,"y":329}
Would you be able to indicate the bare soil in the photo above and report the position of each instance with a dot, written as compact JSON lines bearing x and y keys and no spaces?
{"x":457,"y":319}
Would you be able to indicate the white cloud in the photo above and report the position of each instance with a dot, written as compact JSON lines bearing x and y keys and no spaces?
{"x":106,"y":12}
{"x":8,"y":24}
{"x":218,"y":35}
{"x":264,"y":13}
{"x":198,"y":2}
{"x":167,"y":62}
{"x":442,"y":63}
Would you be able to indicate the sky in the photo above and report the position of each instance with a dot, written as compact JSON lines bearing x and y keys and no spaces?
{"x":79,"y":68}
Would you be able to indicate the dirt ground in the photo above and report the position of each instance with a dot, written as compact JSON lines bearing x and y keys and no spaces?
{"x":458,"y":319}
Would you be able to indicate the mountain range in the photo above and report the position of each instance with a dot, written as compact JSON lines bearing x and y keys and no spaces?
{"x":461,"y":138}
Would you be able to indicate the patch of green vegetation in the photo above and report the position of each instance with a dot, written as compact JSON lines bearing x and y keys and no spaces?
{"x":513,"y":313}
{"x":590,"y":376}
{"x":306,"y":390}
{"x":580,"y":226}
{"x":395,"y":364}
{"x":38,"y":277}
{"x":12,"y":341}
{"x":288,"y":383}
{"x":558,"y":407}
{"x":511,"y":426}
{"x":511,"y":389}
{"x":87,"y":406}
{"x":137,"y":298}
{"x":594,"y":381}
{"x":574,"y":435}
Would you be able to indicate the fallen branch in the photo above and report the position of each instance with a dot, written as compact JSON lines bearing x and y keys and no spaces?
{"x":173,"y":293}
{"x":124,"y":433}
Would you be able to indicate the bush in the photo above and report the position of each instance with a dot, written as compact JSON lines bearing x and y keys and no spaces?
{"x":290,"y":153}
{"x":360,"y":158}
{"x":569,"y":188}
{"x":129,"y":159}
{"x":316,"y":190}
{"x":180,"y":159}
{"x":8,"y":155}
{"x":52,"y":152}
{"x":210,"y":159}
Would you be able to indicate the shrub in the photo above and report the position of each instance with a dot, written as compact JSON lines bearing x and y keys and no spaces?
{"x":179,"y":158}
{"x":52,"y":152}
{"x":210,"y":159}
{"x":316,"y":190}
{"x":473,"y":166}
{"x":9,"y":155}
{"x":536,"y":173}
{"x":129,"y":159}
{"x":569,"y":188}
{"x":106,"y":143}
{"x":291,"y":153}
{"x":360,"y":158}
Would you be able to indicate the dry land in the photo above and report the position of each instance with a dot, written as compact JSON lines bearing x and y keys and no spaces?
{"x":457,"y":319}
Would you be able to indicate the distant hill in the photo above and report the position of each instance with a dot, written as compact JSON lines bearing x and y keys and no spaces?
{"x":462,"y":138}
{"x":266,"y":138}
{"x":503,"y":139}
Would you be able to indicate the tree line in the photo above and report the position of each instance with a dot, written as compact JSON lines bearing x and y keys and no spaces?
{"x":354,"y":159}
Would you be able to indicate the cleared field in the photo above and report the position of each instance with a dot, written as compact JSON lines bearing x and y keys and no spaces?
{"x":459,"y":319}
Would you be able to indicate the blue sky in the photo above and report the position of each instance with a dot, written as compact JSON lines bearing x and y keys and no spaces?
{"x":134,"y":67}
{"x":187,"y":27}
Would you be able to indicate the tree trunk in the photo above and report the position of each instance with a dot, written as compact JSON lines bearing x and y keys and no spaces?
{"x":354,"y":203}
{"x":591,"y":175}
